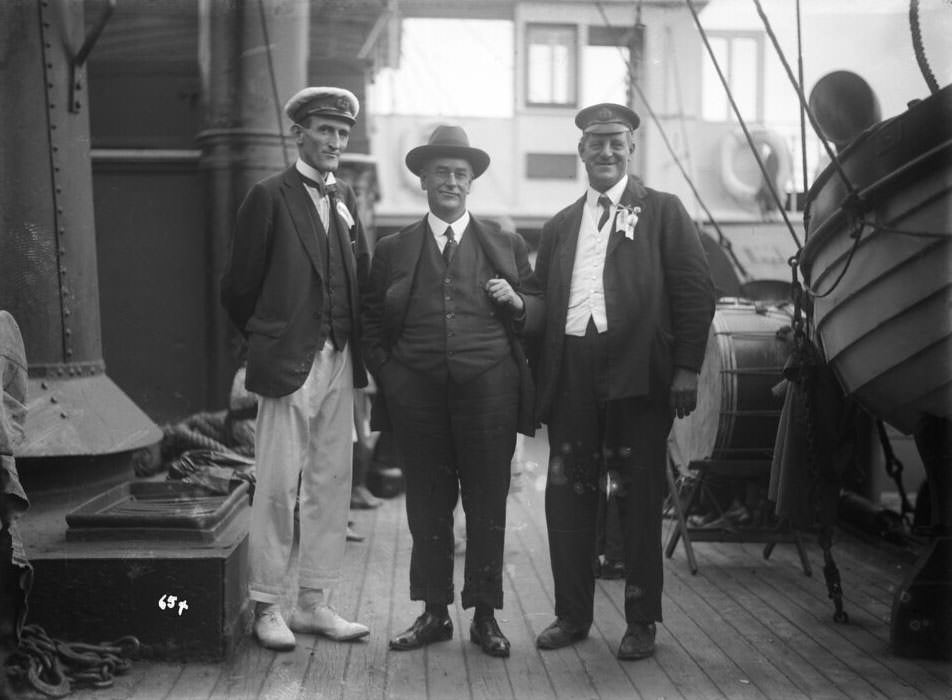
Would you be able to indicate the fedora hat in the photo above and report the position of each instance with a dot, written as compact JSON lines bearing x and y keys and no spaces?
{"x":448,"y":141}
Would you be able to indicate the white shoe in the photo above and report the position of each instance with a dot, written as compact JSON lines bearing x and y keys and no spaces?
{"x":271,"y":630}
{"x":323,"y":620}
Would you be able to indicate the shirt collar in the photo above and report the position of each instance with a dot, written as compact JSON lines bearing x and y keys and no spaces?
{"x":313,"y":173}
{"x":438,"y":226}
{"x":614,"y":193}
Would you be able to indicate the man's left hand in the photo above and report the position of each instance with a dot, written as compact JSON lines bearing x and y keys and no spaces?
{"x":502,"y":293}
{"x":683,"y":392}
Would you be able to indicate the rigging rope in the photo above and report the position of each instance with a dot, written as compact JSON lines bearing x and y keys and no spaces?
{"x":803,"y":123}
{"x":722,"y":240}
{"x":853,"y":199}
{"x":916,"y":31}
{"x":768,"y":180}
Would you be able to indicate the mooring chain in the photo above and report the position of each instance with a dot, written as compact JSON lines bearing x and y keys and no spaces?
{"x":53,"y":667}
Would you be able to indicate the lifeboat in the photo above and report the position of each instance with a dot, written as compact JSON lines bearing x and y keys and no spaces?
{"x":878,"y":264}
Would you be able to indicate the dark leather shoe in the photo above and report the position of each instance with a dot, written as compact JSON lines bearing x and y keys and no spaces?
{"x":638,"y":642}
{"x":427,"y":628}
{"x":612,"y":569}
{"x":560,"y":634}
{"x":486,"y":633}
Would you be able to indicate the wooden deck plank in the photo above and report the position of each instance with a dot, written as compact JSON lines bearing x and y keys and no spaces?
{"x":646,"y":676}
{"x":527,"y":614}
{"x":195,"y":681}
{"x":327,"y":668}
{"x":567,"y":674}
{"x":869,"y":663}
{"x":596,"y":654}
{"x":367,"y":671}
{"x":756,"y":623}
{"x":407,"y":671}
{"x":723,"y":614}
{"x":787,"y":622}
{"x":865,"y":592}
{"x":888,"y":670}
{"x":816,"y":672}
{"x":245,"y":673}
{"x":744,"y":627}
{"x":747,"y":672}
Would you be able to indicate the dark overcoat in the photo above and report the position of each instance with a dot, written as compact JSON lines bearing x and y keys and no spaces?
{"x":659,"y":297}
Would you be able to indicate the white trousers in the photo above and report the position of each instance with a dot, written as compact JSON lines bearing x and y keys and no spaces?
{"x":303,"y":453}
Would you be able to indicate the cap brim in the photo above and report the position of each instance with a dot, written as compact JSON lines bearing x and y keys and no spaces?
{"x":419,"y":156}
{"x":341,"y":116}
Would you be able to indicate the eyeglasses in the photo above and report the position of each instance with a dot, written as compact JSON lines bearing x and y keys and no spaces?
{"x":446,"y":174}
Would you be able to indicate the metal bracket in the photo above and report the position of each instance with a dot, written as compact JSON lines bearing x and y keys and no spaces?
{"x":77,"y":66}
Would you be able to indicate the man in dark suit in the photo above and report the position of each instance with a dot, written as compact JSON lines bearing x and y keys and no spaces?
{"x":628,"y":302}
{"x":291,"y":286}
{"x":442,"y":317}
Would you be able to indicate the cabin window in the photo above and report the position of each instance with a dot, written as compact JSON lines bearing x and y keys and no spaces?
{"x":607,"y":65}
{"x":551,"y":74}
{"x":741,"y":59}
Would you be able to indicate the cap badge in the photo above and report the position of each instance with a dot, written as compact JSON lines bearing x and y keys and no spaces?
{"x":604,"y":114}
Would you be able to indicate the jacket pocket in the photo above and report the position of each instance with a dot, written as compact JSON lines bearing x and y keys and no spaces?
{"x":272,"y":328}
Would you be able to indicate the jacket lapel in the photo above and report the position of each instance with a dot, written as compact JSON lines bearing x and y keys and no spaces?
{"x":304,"y":215}
{"x":407,"y":251}
{"x":566,"y":261}
{"x":500,"y":258}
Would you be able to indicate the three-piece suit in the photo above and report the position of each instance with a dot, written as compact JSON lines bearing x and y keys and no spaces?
{"x":454,"y":386}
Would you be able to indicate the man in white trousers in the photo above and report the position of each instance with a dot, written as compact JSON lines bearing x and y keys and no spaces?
{"x":291,"y":286}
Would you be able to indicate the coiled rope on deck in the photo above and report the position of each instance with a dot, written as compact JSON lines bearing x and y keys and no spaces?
{"x":54,"y":667}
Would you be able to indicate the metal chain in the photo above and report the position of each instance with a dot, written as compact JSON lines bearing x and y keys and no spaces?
{"x":894,"y":469}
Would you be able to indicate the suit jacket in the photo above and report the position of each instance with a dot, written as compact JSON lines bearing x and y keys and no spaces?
{"x":659,"y":297}
{"x":387,"y":296}
{"x":273,"y":286}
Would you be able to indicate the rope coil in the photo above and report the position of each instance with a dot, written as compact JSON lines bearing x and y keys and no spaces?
{"x":53,"y":667}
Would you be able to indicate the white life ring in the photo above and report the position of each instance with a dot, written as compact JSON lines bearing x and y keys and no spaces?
{"x":768,"y":143}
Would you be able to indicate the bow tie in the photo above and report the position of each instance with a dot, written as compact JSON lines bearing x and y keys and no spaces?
{"x":322,"y":187}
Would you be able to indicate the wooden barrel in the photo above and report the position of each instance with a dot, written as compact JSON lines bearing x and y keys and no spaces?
{"x":737,"y":412}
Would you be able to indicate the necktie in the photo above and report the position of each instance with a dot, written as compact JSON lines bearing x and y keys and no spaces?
{"x":450,"y":246}
{"x":606,"y":204}
{"x":322,"y":189}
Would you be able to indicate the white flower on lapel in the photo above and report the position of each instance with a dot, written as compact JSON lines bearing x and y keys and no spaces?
{"x":626,"y":218}
{"x":344,"y":214}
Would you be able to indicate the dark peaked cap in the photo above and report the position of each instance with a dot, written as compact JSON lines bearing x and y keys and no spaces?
{"x":448,"y":141}
{"x":606,"y":118}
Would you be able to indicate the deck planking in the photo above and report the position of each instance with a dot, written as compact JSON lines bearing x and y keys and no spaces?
{"x":743,"y":627}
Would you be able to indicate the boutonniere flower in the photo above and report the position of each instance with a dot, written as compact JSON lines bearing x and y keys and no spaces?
{"x":344,"y":214}
{"x":626,"y":218}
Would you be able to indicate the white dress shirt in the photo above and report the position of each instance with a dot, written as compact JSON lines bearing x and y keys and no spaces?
{"x":438,"y":227}
{"x":323,"y":204}
{"x":587,"y":292}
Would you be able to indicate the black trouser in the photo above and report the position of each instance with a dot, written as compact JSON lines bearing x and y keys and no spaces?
{"x":456,"y":439}
{"x":589,"y":436}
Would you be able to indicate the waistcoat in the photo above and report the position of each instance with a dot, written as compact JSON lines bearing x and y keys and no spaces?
{"x":451,"y":329}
